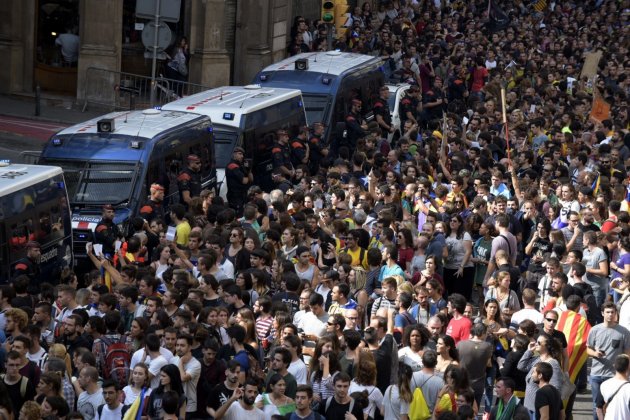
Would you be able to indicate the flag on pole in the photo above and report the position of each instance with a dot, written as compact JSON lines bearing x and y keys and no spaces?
{"x":595,"y":185}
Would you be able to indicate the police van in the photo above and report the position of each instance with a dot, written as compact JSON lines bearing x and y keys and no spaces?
{"x":247,"y":117}
{"x":34,"y":208}
{"x":328,"y":81}
{"x":115,"y":158}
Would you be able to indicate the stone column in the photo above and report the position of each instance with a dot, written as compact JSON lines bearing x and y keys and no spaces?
{"x":100,"y":33}
{"x":17,"y":31}
{"x":262,"y":34}
{"x":209,"y":62}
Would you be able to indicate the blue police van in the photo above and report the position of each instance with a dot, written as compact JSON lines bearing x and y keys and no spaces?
{"x":328,"y":81}
{"x":115,"y":158}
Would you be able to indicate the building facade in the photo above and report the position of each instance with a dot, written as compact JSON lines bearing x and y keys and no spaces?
{"x":230,"y":41}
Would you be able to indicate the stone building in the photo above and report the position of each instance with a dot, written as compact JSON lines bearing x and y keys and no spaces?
{"x":230,"y":40}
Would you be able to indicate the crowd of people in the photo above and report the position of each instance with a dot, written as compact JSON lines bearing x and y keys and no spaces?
{"x":465,"y":267}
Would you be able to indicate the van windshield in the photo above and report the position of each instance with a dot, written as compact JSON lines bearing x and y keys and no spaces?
{"x":98,"y":182}
{"x":225,"y":138}
{"x":316,"y":107}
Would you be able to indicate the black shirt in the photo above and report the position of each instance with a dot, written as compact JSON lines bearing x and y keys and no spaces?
{"x":338,"y":411}
{"x":558,"y":335}
{"x":548,"y":395}
{"x":383,"y":358}
{"x":219,"y":396}
{"x":290,"y":299}
{"x":16,"y":396}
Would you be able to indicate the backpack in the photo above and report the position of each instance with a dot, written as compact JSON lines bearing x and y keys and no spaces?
{"x":605,"y":407}
{"x":255,"y":371}
{"x":23,"y":384}
{"x":122,"y":412}
{"x":329,"y":400}
{"x":419,"y":409}
{"x":117,"y":362}
{"x":361,"y":254}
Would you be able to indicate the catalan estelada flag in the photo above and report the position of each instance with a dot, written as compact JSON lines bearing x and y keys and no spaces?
{"x":575,"y":328}
{"x":595,"y":186}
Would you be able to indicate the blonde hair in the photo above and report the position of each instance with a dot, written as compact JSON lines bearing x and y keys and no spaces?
{"x":406,"y":287}
{"x":19,"y":317}
{"x":31,"y":410}
{"x":502,"y":275}
{"x":59,"y":350}
{"x":399,"y":279}
{"x":360,"y":277}
{"x":147,"y":381}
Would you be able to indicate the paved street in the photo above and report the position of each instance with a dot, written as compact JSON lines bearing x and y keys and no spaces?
{"x":21,"y":130}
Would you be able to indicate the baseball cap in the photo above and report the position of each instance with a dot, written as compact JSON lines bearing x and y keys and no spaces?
{"x":239,"y":150}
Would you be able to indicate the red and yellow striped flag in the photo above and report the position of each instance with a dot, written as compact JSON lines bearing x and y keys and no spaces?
{"x":575,"y":328}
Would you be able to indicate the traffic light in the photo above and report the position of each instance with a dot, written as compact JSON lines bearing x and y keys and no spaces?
{"x":342,"y":17}
{"x":328,"y":11}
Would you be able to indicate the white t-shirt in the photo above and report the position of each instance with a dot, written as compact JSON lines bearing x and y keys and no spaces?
{"x":155,"y":365}
{"x":323,"y":291}
{"x":87,"y":404}
{"x":297,"y":318}
{"x":624,"y":314}
{"x":109,"y":414}
{"x":40,"y":357}
{"x":619,"y":407}
{"x":131,"y":395}
{"x":139,"y":355}
{"x":375,"y":397}
{"x":299,"y":370}
{"x":312,"y":325}
{"x":193,"y":368}
{"x":237,"y":412}
{"x":392,"y":404}
{"x":527,"y":313}
{"x":410,"y":358}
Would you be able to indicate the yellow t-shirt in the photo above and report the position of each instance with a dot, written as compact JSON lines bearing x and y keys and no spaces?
{"x":181,"y":233}
{"x":356,"y":255}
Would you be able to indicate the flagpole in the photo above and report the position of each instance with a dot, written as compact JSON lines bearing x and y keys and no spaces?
{"x":505,"y":123}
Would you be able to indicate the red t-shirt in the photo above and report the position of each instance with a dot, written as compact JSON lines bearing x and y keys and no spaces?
{"x":478,"y":79}
{"x":608,"y":225}
{"x":404,"y":256}
{"x":459,"y":329}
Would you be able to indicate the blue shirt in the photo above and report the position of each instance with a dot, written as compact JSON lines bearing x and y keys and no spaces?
{"x":390,"y":271}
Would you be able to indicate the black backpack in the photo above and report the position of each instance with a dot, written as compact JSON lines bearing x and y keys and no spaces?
{"x":122,"y":414}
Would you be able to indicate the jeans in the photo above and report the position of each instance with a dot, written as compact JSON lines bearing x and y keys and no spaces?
{"x":582,"y":378}
{"x":596,"y":381}
{"x":600,"y":295}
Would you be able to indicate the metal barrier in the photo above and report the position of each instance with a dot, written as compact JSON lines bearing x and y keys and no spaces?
{"x":29,"y":157}
{"x":117,"y":90}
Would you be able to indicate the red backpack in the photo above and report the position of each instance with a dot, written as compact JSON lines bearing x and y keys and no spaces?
{"x":117,"y":362}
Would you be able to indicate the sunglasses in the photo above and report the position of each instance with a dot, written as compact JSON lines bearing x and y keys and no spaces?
{"x":551,"y":320}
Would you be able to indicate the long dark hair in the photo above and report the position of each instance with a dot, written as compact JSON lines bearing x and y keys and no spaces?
{"x":460,"y":229}
{"x":406,"y":233}
{"x":176,"y":380}
{"x":459,"y":375}
{"x":453,"y":353}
